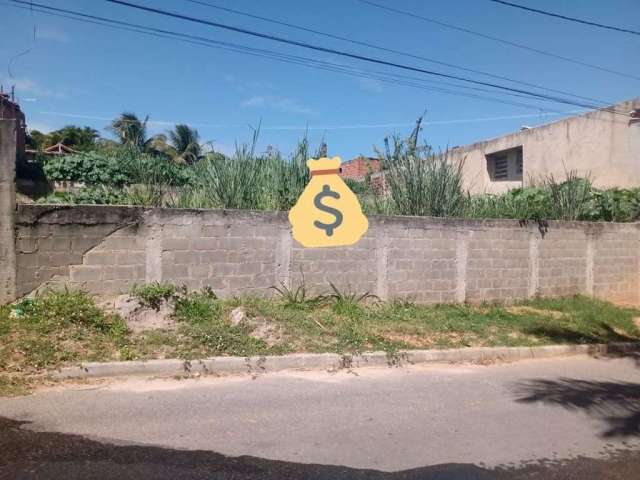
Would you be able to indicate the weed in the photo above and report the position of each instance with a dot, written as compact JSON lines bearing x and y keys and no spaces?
{"x":57,"y":327}
{"x":152,"y":295}
{"x":298,"y":297}
{"x":348,"y":302}
{"x":196,"y":307}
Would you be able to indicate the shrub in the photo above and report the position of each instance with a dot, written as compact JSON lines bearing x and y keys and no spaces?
{"x":152,"y":295}
{"x":197,"y":307}
{"x":118,"y":167}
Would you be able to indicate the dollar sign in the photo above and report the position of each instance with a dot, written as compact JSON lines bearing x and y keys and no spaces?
{"x":317,"y":201}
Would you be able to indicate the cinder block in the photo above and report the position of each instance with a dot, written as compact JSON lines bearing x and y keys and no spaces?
{"x":82,"y":273}
{"x":55,"y":244}
{"x":130,"y":258}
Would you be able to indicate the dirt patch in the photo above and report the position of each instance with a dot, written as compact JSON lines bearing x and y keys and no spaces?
{"x":522,"y":310}
{"x":138,"y":317}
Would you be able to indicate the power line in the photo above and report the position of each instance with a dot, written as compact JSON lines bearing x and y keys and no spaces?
{"x":391,"y":78}
{"x":390,"y":50}
{"x":318,"y":127}
{"x":395,"y":79}
{"x":342,"y":53}
{"x":564,"y":17}
{"x":497,"y":39}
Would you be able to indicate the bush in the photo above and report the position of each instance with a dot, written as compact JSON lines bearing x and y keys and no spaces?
{"x":89,"y":167}
{"x":152,"y":295}
{"x":118,"y":167}
{"x":197,"y":307}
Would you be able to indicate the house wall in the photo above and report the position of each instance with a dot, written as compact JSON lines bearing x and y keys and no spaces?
{"x":359,"y":168}
{"x":107,"y":249}
{"x":600,"y":143}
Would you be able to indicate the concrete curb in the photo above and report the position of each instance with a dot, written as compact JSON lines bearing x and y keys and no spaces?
{"x":331,"y":361}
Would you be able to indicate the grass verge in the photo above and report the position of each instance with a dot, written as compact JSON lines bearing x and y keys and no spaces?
{"x":61,"y":328}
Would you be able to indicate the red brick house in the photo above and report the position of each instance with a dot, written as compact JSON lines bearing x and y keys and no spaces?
{"x":358,"y":168}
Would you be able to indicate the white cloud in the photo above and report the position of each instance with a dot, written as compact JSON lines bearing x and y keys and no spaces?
{"x":26,"y":86}
{"x":48,"y":33}
{"x":370,"y":85}
{"x":276,"y":103}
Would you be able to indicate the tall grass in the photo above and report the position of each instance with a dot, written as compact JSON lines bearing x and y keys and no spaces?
{"x":569,"y":199}
{"x":420,"y":181}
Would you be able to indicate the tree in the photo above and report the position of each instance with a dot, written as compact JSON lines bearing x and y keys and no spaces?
{"x":78,"y":138}
{"x":36,"y":140}
{"x":186,"y":143}
{"x":130,"y":130}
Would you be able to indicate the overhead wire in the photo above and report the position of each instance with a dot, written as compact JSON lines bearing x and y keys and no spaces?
{"x":566,"y":17}
{"x":416,"y":16}
{"x":390,"y":50}
{"x":287,"y":58}
{"x":343,"y":53}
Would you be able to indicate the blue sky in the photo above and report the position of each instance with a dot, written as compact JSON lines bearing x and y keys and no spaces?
{"x":78,"y":73}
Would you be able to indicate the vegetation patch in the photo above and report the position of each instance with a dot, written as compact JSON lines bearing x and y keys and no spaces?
{"x":58,"y":328}
{"x":174,"y":169}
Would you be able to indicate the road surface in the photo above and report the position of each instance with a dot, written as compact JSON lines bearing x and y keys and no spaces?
{"x":574,"y":417}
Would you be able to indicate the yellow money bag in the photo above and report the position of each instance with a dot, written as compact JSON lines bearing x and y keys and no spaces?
{"x":328,"y":213}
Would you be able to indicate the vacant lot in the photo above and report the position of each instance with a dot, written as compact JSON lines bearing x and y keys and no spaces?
{"x":67,"y":327}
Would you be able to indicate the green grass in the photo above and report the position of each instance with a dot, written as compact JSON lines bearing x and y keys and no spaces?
{"x":67,"y":327}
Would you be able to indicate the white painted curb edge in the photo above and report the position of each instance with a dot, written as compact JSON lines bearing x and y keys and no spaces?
{"x":330,"y":361}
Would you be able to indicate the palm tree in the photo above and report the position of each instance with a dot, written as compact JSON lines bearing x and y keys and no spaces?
{"x":186,"y":142}
{"x":130,"y":130}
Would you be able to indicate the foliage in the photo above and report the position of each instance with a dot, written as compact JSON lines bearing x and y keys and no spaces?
{"x":420,"y":181}
{"x":116,"y":176}
{"x":130,"y":130}
{"x":57,"y":327}
{"x":91,"y":195}
{"x":193,"y":306}
{"x":153,"y":295}
{"x":568,"y":198}
{"x":614,"y":205}
{"x":89,"y":167}
{"x":206,"y":332}
{"x":185,"y":141}
{"x":235,"y":182}
{"x":286,"y":179}
{"x":172,"y":171}
{"x":345,"y":301}
{"x":297,"y":297}
{"x":527,"y":203}
{"x":78,"y":138}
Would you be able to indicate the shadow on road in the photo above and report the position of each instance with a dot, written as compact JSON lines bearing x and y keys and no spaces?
{"x":615,"y":403}
{"x":27,"y":454}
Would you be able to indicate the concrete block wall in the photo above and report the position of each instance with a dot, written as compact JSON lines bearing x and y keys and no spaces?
{"x":107,"y":249}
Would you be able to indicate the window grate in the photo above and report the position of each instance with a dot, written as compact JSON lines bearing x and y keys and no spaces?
{"x":500,"y":168}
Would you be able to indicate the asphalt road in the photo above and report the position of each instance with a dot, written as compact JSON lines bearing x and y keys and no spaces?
{"x":548,"y":419}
